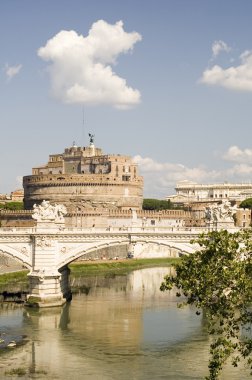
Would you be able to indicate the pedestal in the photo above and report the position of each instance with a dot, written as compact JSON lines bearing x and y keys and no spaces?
{"x":222,"y":225}
{"x":48,"y":289}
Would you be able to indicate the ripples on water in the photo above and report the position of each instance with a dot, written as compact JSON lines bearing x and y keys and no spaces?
{"x":123,"y":328}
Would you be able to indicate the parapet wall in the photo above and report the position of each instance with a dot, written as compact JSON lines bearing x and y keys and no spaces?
{"x":17,"y":218}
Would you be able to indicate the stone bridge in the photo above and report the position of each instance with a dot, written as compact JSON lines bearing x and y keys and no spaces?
{"x":48,"y":249}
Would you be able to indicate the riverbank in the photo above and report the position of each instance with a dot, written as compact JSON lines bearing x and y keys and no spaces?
{"x":14,"y":281}
{"x":18,"y":281}
{"x":101,"y":267}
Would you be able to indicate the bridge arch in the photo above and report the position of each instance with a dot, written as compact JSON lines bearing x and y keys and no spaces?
{"x":85,"y":249}
{"x":161,"y":248}
{"x":182,"y":248}
{"x":22,"y":256}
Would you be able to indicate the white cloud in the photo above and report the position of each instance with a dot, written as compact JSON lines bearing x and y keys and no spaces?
{"x":234,"y":77}
{"x":161,"y":178}
{"x":11,"y":71}
{"x":240,"y":172}
{"x":81,"y":69}
{"x":218,"y":47}
{"x":235,"y":154}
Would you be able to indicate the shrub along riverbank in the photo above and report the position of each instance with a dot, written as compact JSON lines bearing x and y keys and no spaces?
{"x":91,"y":268}
{"x":14,"y":281}
{"x":19,"y":280}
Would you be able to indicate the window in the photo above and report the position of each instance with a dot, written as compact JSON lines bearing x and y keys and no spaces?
{"x":125,"y":178}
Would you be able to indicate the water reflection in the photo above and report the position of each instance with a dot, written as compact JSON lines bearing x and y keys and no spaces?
{"x":121,"y":328}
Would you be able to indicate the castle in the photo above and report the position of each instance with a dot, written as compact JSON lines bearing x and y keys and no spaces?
{"x":98,"y":190}
{"x":83,"y":178}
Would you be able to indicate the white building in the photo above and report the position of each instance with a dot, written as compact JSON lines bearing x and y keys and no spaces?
{"x":187,"y":192}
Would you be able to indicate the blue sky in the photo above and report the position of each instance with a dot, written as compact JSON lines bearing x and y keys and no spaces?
{"x":166,"y":82}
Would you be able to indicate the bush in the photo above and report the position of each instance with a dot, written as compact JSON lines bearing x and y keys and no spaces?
{"x":157,"y":204}
{"x":12,"y":206}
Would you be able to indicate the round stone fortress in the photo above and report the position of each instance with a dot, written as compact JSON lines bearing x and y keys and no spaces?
{"x":84,"y":178}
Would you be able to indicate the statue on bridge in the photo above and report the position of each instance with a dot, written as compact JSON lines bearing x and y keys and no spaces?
{"x":47,"y":212}
{"x":223,"y":213}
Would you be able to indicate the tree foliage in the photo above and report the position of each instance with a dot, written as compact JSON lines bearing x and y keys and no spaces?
{"x":247,"y":203}
{"x":12,"y":206}
{"x":157,"y":204}
{"x":217,"y":280}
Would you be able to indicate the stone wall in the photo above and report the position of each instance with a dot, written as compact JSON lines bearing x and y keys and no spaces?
{"x":82,"y":177}
{"x":109,"y":253}
{"x":84,"y":191}
{"x":104,"y":218}
{"x":18,"y":218}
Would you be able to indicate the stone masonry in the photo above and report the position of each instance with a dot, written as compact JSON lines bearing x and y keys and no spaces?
{"x":84,"y":178}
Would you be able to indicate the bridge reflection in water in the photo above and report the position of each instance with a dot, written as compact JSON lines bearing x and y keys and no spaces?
{"x":122,"y":328}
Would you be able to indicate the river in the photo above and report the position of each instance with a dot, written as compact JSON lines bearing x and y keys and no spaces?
{"x":120,"y":328}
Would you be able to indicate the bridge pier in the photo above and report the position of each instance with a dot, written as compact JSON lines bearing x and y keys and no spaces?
{"x":48,"y":289}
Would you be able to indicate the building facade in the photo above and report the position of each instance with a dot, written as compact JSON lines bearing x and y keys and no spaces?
{"x":188,"y":192}
{"x":85,"y":178}
{"x":17,"y":195}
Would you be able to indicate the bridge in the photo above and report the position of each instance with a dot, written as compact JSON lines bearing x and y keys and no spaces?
{"x":46,"y":251}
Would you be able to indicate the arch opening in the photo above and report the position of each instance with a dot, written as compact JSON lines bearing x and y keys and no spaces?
{"x":11,"y":261}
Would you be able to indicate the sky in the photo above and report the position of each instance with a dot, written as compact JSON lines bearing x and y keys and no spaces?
{"x":168,"y":82}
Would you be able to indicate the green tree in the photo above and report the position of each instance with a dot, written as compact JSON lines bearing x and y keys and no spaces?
{"x":247,"y":203}
{"x":12,"y":206}
{"x":217,"y":280}
{"x":157,"y":204}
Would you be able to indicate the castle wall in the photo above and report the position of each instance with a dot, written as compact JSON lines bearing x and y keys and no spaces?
{"x":83,"y":178}
{"x":104,"y":218}
{"x":83,"y":191}
{"x":18,"y":218}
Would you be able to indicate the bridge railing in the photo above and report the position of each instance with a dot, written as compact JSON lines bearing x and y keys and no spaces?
{"x":108,"y":230}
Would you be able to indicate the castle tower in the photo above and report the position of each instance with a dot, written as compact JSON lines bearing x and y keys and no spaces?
{"x":85,"y":178}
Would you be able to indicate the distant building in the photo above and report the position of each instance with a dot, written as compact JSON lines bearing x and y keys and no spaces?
{"x":243,"y":218}
{"x":190,"y":192}
{"x":17,"y":195}
{"x":83,"y":178}
{"x":3,"y":197}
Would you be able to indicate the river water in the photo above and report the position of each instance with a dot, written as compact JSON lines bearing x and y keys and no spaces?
{"x":120,"y":328}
